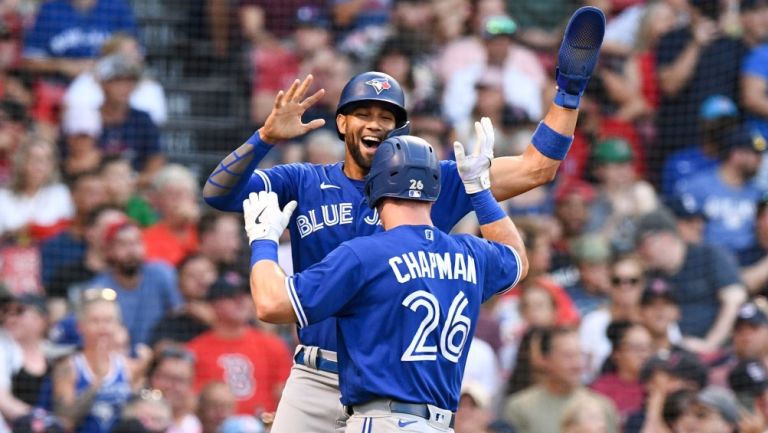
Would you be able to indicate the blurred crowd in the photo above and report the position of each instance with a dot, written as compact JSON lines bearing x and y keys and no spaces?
{"x":125,"y":304}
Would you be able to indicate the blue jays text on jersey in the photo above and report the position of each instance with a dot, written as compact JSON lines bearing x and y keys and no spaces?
{"x":431,"y":284}
{"x":332,"y":209}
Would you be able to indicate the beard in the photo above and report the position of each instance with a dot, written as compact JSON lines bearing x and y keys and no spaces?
{"x":354,"y":149}
{"x":127,"y":268}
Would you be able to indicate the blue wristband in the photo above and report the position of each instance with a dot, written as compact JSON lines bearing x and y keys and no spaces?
{"x":486,"y":207}
{"x":551,"y":143}
{"x":263,"y":249}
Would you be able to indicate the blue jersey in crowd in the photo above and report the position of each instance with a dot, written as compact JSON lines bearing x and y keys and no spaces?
{"x":332,"y":209}
{"x":112,"y":395}
{"x":61,"y":30}
{"x":407,"y":302}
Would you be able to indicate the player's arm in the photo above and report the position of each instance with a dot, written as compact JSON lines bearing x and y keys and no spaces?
{"x":236,"y":176}
{"x":552,"y":139}
{"x":474,"y":171}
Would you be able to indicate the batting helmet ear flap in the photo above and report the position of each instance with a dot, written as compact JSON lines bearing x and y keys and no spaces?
{"x":403,"y":130}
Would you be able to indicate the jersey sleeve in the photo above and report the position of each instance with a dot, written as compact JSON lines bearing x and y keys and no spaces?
{"x":325,"y":288}
{"x":756,"y":63}
{"x":283,"y":180}
{"x":453,"y":203}
{"x":502,"y":267}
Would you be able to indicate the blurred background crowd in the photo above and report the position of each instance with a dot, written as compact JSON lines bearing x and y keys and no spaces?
{"x":124,"y":300}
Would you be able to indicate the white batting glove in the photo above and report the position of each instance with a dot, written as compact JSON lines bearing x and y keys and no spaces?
{"x":263,"y":217}
{"x":475,"y":169}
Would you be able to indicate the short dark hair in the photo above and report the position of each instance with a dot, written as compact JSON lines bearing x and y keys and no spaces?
{"x":548,"y":337}
{"x":170,"y":352}
{"x":77,"y":177}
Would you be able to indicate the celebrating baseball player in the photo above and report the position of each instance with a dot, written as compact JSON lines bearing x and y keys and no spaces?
{"x":332,"y":207}
{"x":406,"y":299}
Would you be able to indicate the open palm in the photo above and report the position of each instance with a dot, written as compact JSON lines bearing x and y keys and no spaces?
{"x":284,"y":121}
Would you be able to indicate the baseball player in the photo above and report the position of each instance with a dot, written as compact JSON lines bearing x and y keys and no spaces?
{"x":333,"y":209}
{"x":406,"y":299}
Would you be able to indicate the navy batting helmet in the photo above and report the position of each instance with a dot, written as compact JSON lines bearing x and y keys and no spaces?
{"x":403,"y":167}
{"x":373,"y":86}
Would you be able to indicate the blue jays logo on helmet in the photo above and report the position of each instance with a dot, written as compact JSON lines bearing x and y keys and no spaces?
{"x":379,"y":85}
{"x":403,"y":167}
{"x":371,"y":87}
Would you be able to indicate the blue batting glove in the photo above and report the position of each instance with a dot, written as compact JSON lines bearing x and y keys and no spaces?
{"x":578,"y":55}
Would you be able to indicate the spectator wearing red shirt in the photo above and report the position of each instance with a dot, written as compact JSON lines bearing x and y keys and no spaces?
{"x":175,"y":235}
{"x":253,"y":363}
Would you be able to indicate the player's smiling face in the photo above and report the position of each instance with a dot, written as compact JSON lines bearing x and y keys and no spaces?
{"x":365,"y":127}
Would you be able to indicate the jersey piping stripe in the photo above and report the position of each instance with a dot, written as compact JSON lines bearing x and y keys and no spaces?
{"x":265,"y":179}
{"x":519,"y":270}
{"x":295,"y":302}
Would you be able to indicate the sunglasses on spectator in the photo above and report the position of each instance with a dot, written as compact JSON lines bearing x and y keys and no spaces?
{"x":618,"y":281}
{"x":176,"y":353}
{"x":146,"y":395}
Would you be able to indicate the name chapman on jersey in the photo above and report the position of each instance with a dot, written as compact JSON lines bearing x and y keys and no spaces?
{"x":427,"y":264}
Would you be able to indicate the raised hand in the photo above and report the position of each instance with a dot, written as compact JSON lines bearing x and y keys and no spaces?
{"x":263,"y":218}
{"x":475,"y":169}
{"x":284,"y":121}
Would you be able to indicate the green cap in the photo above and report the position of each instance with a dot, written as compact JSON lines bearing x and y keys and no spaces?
{"x":612,"y":150}
{"x":590,"y":248}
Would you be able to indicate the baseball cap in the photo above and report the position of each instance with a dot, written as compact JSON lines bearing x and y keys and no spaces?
{"x":590,"y":248}
{"x":749,"y":377}
{"x":716,"y":107}
{"x":657,"y":221}
{"x":311,"y":16}
{"x":685,"y":206}
{"x":499,"y":25}
{"x":741,"y":137}
{"x":750,"y":313}
{"x":241,"y":424}
{"x":612,"y":150}
{"x":229,"y":285}
{"x":115,"y":227}
{"x":680,"y":364}
{"x":576,"y":187}
{"x":657,"y":288}
{"x":85,"y":120}
{"x":477,"y":392}
{"x":117,"y":66}
{"x":722,"y":400}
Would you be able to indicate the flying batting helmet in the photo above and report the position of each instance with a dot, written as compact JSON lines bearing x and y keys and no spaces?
{"x":403,"y":167}
{"x":373,"y":86}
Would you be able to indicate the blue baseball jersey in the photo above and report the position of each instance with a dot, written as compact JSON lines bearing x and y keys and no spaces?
{"x":61,"y":30}
{"x":332,"y":209}
{"x":406,"y":302}
{"x":109,"y":400}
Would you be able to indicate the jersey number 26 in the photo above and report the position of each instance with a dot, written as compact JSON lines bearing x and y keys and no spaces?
{"x":456,"y":327}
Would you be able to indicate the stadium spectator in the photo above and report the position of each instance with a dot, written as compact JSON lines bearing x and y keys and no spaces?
{"x":63,"y":42}
{"x":196,"y":274}
{"x":706,"y":281}
{"x":148,"y":96}
{"x":150,"y":408}
{"x":68,"y":247}
{"x":627,"y":283}
{"x":690,"y":217}
{"x":728,"y":194}
{"x":13,"y":131}
{"x":591,"y":255}
{"x":215,"y":404}
{"x":749,"y":341}
{"x":146,"y":291}
{"x":81,"y":128}
{"x":572,"y":200}
{"x":678,"y":412}
{"x":27,"y":321}
{"x":749,"y":382}
{"x":65,"y":279}
{"x":620,"y":379}
{"x":753,"y":16}
{"x":584,"y":415}
{"x":91,"y":386}
{"x":754,"y":75}
{"x":174,"y":236}
{"x":35,"y":204}
{"x":265,"y":22}
{"x":127,"y":131}
{"x":171,"y":372}
{"x":474,"y":414}
{"x":754,"y":270}
{"x":522,"y":75}
{"x":621,"y":196}
{"x":659,"y":314}
{"x":539,"y":22}
{"x":253,"y":363}
{"x":717,"y":114}
{"x":716,"y":410}
{"x":693,"y":62}
{"x":121,"y":182}
{"x":540,"y":407}
{"x":220,"y":236}
{"x":397,"y":59}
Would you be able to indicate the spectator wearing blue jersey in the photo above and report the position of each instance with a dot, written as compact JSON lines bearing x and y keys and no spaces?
{"x":68,"y":34}
{"x":367,"y":284}
{"x":728,"y":194}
